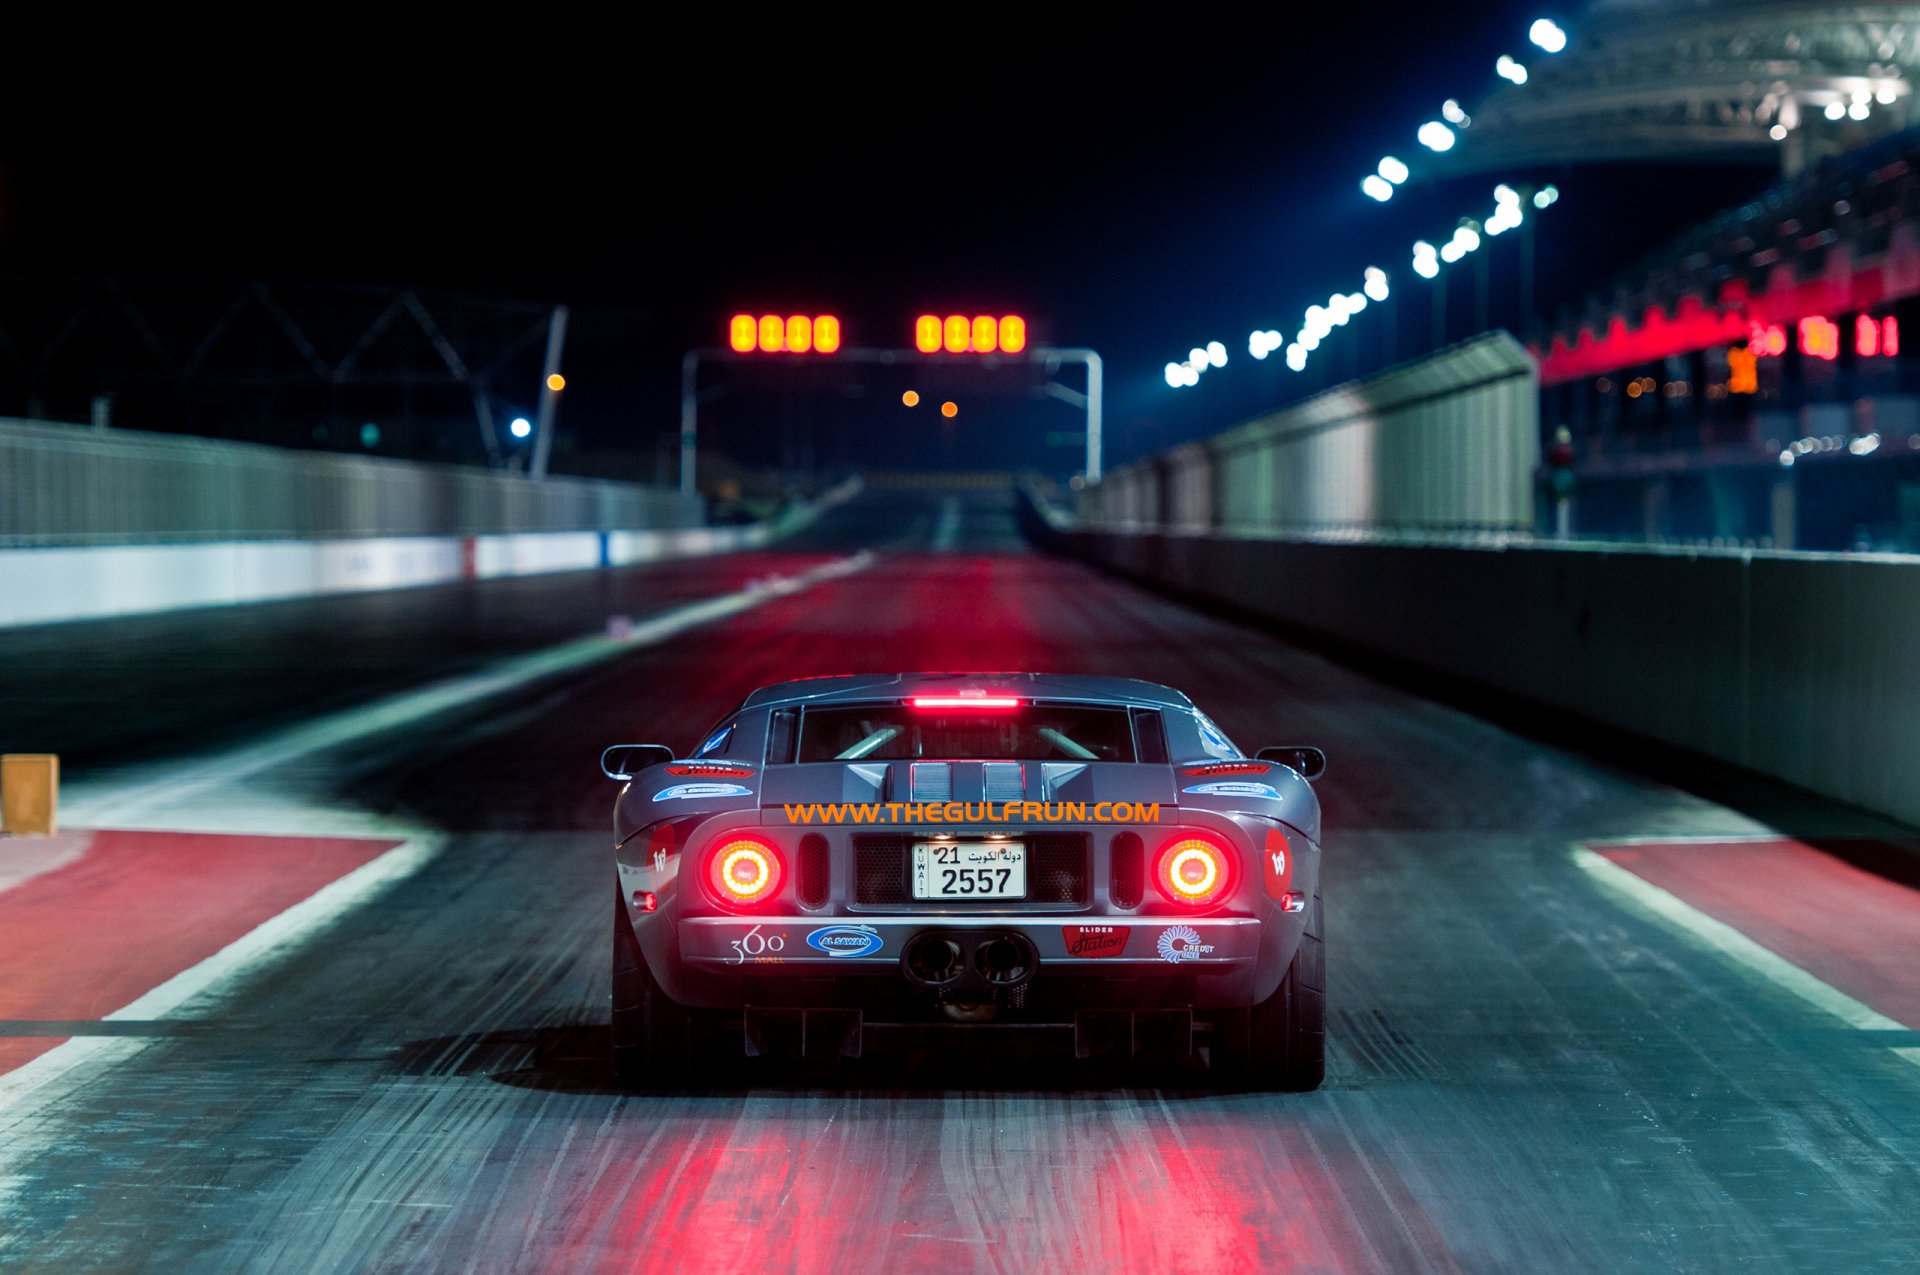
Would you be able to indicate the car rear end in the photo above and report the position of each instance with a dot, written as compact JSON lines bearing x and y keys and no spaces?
{"x":1124,"y":901}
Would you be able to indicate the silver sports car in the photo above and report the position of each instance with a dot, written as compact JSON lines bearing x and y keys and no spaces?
{"x":925,"y":851}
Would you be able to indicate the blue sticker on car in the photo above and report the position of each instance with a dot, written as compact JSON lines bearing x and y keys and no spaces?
{"x":690,"y":792}
{"x":846,"y":940}
{"x":1214,"y":740}
{"x":1234,"y":788}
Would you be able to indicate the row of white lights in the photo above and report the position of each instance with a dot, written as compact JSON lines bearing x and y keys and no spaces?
{"x":1199,"y":359}
{"x":1320,"y":320}
{"x":1439,"y":135}
{"x":1391,"y":172}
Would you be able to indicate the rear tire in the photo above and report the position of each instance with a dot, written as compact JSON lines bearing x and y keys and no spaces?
{"x":1281,"y":1042}
{"x":651,"y":1038}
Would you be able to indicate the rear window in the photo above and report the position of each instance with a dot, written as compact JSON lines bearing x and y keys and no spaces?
{"x":1032,"y":732}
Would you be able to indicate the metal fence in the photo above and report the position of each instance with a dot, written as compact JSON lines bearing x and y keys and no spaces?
{"x":63,"y":484}
{"x":1448,"y":443}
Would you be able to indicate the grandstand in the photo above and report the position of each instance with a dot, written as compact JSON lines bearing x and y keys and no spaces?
{"x":1755,"y":381}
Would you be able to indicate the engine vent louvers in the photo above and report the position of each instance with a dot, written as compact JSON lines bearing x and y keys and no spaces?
{"x":1004,"y":781}
{"x":815,"y":886}
{"x":1127,"y":882}
{"x":932,"y":781}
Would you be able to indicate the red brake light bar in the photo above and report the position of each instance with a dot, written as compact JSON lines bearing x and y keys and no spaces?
{"x":1228,"y":768}
{"x":964,"y":701}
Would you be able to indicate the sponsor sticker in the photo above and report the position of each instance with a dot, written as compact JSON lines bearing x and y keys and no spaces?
{"x":1277,"y":865}
{"x":1095,"y":940}
{"x":1234,"y":788}
{"x":757,"y":946}
{"x":846,"y":940}
{"x":693,"y":792}
{"x":1182,"y":943}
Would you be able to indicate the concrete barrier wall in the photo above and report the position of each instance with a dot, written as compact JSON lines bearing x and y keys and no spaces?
{"x":1449,"y":442}
{"x":1798,"y":666}
{"x":70,"y":582}
{"x":65,"y":484}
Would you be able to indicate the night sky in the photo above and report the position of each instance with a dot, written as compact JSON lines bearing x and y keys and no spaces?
{"x":1137,"y":181}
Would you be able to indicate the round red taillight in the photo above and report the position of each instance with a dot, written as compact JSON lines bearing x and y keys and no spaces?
{"x":743,"y":870}
{"x":1193,"y":871}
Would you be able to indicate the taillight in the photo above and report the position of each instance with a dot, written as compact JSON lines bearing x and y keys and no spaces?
{"x":743,"y":870}
{"x":1194,"y":871}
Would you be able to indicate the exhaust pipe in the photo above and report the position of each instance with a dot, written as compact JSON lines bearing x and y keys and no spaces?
{"x":1005,"y":961}
{"x":934,"y":960}
{"x":979,"y":960}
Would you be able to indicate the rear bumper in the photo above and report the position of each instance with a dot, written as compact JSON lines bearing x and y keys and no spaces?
{"x":873,"y":945}
{"x":1203,"y":962}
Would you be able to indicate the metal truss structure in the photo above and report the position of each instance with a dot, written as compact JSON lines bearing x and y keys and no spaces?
{"x":1752,"y":81}
{"x":248,"y":359}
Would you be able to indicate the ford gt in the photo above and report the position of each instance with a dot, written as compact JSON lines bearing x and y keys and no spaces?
{"x":846,"y":855}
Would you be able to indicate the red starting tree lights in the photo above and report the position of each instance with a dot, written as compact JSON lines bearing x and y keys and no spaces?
{"x":976,"y":334}
{"x":784,"y":334}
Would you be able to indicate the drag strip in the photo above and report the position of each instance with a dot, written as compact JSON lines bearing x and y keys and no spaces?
{"x":1528,"y":1070}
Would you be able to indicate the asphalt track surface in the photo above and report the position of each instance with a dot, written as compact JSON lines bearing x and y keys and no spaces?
{"x":1526,"y":1073}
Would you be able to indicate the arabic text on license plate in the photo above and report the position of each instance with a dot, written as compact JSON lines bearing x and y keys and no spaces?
{"x":969,"y":870}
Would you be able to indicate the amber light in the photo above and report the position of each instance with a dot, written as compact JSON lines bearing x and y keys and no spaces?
{"x":949,"y":409}
{"x":743,"y":870}
{"x":911,"y":398}
{"x":783,"y":334}
{"x":975,"y":334}
{"x":556,"y":382}
{"x":986,"y":334}
{"x":1192,"y":871}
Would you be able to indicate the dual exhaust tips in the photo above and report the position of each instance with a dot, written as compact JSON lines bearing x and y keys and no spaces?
{"x":949,"y":960}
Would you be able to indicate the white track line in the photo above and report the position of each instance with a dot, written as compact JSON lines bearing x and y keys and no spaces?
{"x":268,"y":940}
{"x":134,"y":796}
{"x":1677,"y":914}
{"x":28,"y":1090}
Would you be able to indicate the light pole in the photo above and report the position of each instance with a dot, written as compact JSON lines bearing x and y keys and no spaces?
{"x":689,"y":417}
{"x":551,"y":383}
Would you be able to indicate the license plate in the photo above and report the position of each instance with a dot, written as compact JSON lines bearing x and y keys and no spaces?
{"x":969,"y":870}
